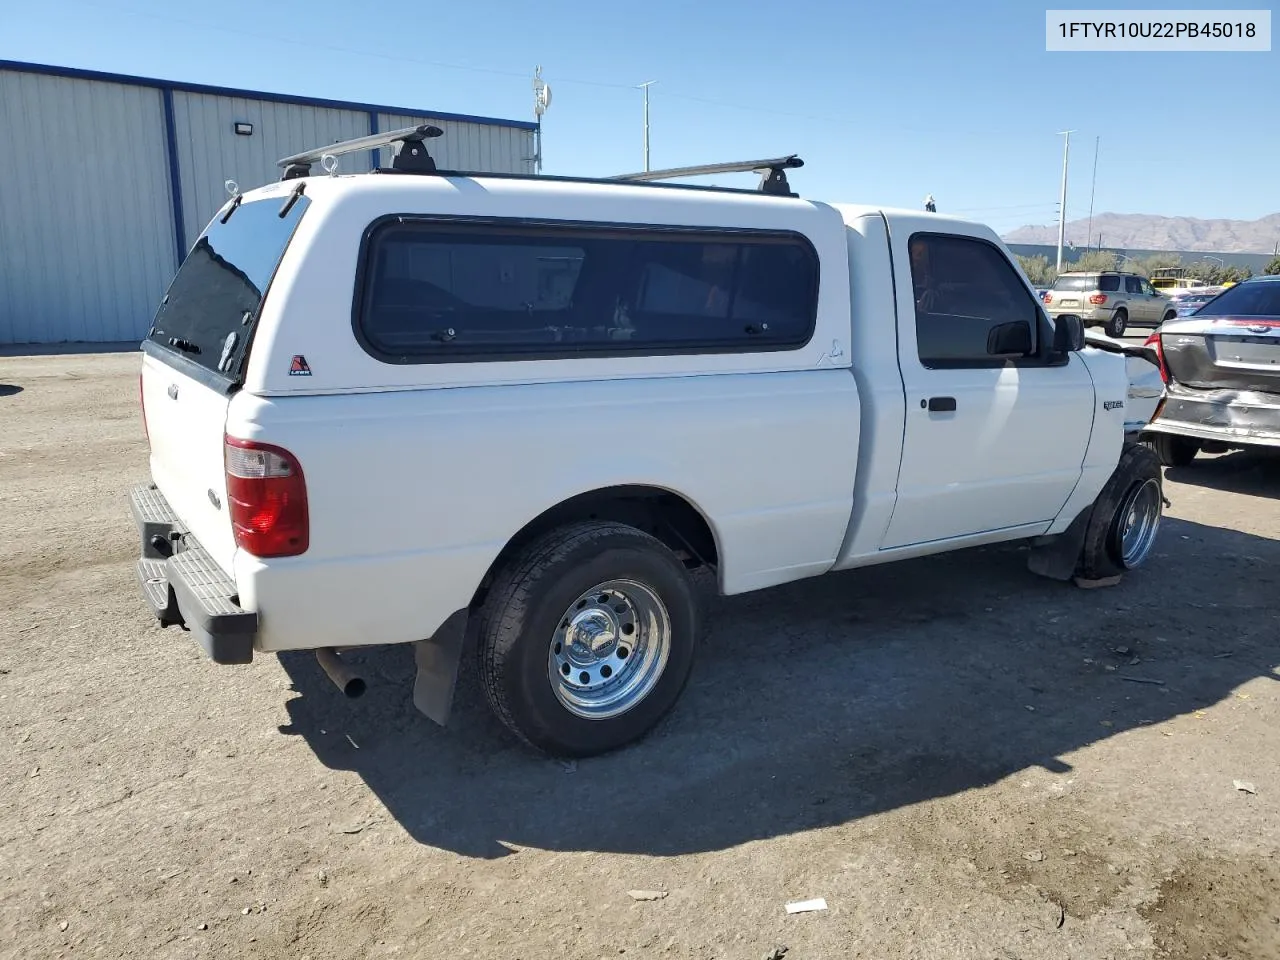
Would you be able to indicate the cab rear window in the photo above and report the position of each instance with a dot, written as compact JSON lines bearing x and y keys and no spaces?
{"x":208,"y":314}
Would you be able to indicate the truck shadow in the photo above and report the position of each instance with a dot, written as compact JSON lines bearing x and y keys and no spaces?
{"x":1256,"y":473}
{"x":827,"y":701}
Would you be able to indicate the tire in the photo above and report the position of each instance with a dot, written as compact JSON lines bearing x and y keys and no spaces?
{"x":522,"y":641}
{"x":1171,"y":315}
{"x":1137,"y":477}
{"x":1174,"y":451}
{"x":1116,"y":325}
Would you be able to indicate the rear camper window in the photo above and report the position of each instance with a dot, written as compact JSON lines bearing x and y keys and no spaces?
{"x":440,"y":291}
{"x":210,"y":309}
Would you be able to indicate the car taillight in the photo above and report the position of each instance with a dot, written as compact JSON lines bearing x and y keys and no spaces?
{"x":267,"y":499}
{"x":1047,"y":297}
{"x":1098,"y":299}
{"x":1153,"y":341}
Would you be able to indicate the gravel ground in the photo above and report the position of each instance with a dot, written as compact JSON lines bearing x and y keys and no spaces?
{"x":952,"y":752}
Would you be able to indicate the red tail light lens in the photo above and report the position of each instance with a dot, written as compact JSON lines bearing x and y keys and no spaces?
{"x":1153,"y":341}
{"x":267,"y":499}
{"x":1098,"y":299}
{"x":1047,"y":297}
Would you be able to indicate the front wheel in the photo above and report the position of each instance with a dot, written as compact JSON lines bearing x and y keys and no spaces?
{"x":1122,"y":528}
{"x":586,"y":638}
{"x":1117,"y":324}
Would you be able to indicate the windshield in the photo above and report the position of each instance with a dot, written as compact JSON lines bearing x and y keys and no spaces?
{"x":1257,"y":299}
{"x":210,"y":309}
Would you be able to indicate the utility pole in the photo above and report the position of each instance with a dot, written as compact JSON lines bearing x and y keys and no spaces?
{"x":1062,"y":203}
{"x":541,"y":100}
{"x":1093,"y":189}
{"x":645,"y":87}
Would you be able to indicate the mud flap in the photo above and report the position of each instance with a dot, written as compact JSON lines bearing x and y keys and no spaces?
{"x":437,"y":660}
{"x":1056,"y":557}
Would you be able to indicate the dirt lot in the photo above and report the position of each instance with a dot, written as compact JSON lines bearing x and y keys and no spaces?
{"x":950,"y":751}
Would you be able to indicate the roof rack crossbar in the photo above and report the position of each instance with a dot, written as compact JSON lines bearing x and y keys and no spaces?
{"x":773,"y":178}
{"x":299,"y":165}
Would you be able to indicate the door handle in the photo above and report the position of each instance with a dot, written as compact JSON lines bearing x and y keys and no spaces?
{"x":172,"y":391}
{"x":940,"y":404}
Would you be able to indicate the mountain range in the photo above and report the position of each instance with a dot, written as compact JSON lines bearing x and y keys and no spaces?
{"x":1128,"y":231}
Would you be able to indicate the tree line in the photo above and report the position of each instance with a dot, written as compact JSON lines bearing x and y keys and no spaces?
{"x":1042,"y":273}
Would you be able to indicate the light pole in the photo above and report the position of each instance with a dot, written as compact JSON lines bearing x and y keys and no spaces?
{"x":1062,"y":203}
{"x":645,"y":87}
{"x":1221,"y":262}
{"x":1092,"y":190}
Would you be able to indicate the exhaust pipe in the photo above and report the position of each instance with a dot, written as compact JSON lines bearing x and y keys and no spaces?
{"x":340,"y":672}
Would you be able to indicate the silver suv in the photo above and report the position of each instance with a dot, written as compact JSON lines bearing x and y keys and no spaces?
{"x":1109,"y":298}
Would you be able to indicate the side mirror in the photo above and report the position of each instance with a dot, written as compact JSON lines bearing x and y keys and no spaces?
{"x":1068,"y":333}
{"x":1010,"y":340}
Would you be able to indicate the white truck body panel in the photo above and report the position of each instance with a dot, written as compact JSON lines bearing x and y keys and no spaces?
{"x":318,"y":287}
{"x":403,"y":531}
{"x":185,"y":421}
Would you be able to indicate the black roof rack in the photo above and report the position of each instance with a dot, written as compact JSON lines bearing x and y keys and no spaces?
{"x":412,"y":158}
{"x":773,"y":179}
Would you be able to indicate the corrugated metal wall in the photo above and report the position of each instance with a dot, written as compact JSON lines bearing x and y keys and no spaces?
{"x":88,"y":240}
{"x":468,"y":146}
{"x":210,"y":152}
{"x":86,"y":228}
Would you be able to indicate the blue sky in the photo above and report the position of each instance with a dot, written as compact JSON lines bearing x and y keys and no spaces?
{"x":885,"y":102}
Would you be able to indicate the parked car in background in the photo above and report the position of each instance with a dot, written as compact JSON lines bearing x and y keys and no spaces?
{"x":1188,"y":301}
{"x":1111,"y":299}
{"x":1221,"y":369}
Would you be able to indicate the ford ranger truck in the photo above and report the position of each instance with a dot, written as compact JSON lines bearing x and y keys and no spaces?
{"x":508,"y":417}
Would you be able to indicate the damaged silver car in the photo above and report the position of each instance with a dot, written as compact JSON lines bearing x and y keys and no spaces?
{"x":1221,"y":370}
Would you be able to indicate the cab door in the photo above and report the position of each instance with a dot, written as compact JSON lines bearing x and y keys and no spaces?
{"x":997,"y":425}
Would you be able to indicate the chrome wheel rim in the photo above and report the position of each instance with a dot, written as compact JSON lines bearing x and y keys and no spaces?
{"x":1137,"y":523}
{"x":609,"y":649}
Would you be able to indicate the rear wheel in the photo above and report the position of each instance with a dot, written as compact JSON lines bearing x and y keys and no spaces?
{"x":1126,"y":517}
{"x":586,"y":638}
{"x":1171,"y":315}
{"x":1174,"y":451}
{"x":1118,"y":323}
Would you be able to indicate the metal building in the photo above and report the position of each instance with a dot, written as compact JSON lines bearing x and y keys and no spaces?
{"x":107,"y":180}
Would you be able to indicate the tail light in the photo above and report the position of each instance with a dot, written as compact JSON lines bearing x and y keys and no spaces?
{"x":142,"y":402}
{"x":1098,"y":299}
{"x":1046,"y":297}
{"x":267,"y":499}
{"x":1153,"y":341}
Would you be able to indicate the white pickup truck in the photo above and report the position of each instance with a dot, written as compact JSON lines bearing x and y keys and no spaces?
{"x":512,"y":414}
